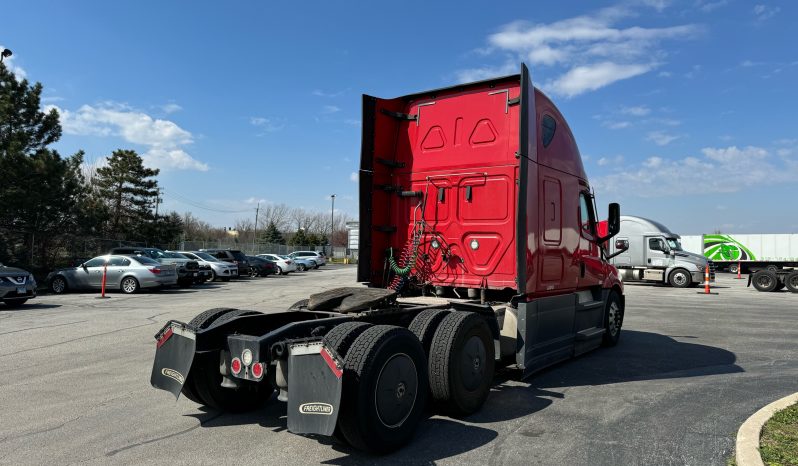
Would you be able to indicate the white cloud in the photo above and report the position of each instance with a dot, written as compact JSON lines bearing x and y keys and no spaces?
{"x":588,"y":51}
{"x":162,"y":138}
{"x":329,"y":109}
{"x":320,"y":93}
{"x":171,"y":107}
{"x":617,"y":160}
{"x":719,"y":170}
{"x":665,"y":74}
{"x":709,"y":6}
{"x":640,"y":110}
{"x":354,"y":177}
{"x":661,"y":138}
{"x":765,"y":12}
{"x":616,"y":124}
{"x":267,"y":125}
{"x":585,"y":78}
{"x":733,"y":154}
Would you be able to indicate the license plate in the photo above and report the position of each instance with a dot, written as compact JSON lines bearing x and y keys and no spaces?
{"x":21,"y":290}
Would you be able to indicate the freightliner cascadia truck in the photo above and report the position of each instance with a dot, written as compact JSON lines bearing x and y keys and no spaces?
{"x":655,"y":254}
{"x":475,"y":187}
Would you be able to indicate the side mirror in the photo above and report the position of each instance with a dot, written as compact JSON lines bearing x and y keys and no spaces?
{"x":613,"y":222}
{"x":84,"y":266}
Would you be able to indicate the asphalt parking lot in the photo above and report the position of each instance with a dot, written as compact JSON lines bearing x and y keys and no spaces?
{"x":689,"y":369}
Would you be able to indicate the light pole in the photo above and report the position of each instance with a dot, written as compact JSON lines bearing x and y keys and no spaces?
{"x":332,"y":222}
{"x":5,"y":54}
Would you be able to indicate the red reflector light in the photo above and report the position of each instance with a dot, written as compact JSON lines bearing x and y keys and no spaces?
{"x":168,"y":333}
{"x":257,"y":370}
{"x":155,"y":270}
{"x":235,"y":366}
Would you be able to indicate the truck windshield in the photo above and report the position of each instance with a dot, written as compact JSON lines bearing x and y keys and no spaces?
{"x":674,"y":244}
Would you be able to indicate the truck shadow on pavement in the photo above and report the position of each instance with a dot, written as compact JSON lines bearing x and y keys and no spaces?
{"x":638,"y":356}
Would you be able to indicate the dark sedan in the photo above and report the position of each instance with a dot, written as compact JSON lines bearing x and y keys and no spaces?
{"x":260,"y":267}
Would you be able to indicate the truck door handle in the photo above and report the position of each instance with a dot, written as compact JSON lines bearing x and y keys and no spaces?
{"x":468,"y":193}
{"x":649,"y":261}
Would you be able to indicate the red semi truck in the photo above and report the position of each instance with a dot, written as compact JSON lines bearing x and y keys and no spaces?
{"x":476,"y":187}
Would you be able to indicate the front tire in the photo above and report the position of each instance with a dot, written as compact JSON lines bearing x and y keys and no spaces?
{"x":58,"y":285}
{"x":384,"y":389}
{"x":680,"y":278}
{"x":129,"y":285}
{"x":461,"y":363}
{"x":302,"y":267}
{"x":613,"y":319}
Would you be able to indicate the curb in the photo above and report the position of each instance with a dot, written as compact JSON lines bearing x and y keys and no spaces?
{"x":747,"y":449}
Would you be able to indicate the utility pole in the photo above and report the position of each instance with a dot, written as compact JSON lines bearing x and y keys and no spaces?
{"x":157,"y":201}
{"x":255,"y":232}
{"x":332,"y":223}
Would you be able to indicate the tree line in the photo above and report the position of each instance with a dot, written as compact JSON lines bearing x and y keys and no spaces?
{"x":52,"y":206}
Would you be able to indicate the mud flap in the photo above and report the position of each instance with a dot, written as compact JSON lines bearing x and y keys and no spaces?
{"x":173,"y":357}
{"x":314,"y":389}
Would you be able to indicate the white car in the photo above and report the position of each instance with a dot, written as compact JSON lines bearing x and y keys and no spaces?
{"x":316,"y":256}
{"x":284,"y":266}
{"x":222,"y":270}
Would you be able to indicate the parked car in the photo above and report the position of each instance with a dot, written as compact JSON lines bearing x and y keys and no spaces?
{"x":17,"y":286}
{"x":284,"y":265}
{"x":187,"y":269}
{"x":260,"y":267}
{"x":220,"y":270}
{"x":302,"y":264}
{"x":316,"y":256}
{"x":204,"y":273}
{"x":234,"y":256}
{"x":128,"y":273}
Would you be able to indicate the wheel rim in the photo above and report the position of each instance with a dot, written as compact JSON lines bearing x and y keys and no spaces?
{"x":397,"y":388}
{"x":793,"y":282}
{"x":279,"y":271}
{"x":614,"y":318}
{"x":472,"y":363}
{"x":680,"y":278}
{"x":59,"y":285}
{"x":128,"y":285}
{"x":765,"y":281}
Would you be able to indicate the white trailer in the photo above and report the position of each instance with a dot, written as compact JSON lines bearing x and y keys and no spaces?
{"x":750,"y":252}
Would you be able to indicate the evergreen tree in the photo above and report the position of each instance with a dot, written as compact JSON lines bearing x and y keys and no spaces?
{"x":129,"y":191}
{"x":40,"y":192}
{"x":272,"y":235}
{"x":299,"y":238}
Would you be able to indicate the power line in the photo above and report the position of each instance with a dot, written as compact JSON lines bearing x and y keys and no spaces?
{"x":185,"y":200}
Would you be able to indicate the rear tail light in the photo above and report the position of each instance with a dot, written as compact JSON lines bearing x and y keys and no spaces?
{"x":257,"y":370}
{"x":235,"y":366}
{"x":155,"y":270}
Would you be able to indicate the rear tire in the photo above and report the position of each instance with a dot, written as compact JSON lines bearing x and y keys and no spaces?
{"x":384,"y":390}
{"x":772,"y":268}
{"x":302,"y":267}
{"x":461,"y":363}
{"x":680,"y":278}
{"x":129,"y":285}
{"x":425,"y":324}
{"x":341,"y":337}
{"x":765,"y":280}
{"x":791,"y":280}
{"x":199,"y":322}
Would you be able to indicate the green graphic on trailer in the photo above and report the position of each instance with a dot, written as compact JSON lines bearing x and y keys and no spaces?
{"x":726,"y":248}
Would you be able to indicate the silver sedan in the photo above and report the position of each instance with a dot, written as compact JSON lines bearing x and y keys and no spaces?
{"x":126,"y":273}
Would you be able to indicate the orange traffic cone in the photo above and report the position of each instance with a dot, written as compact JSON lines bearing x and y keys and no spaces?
{"x":739,"y":271}
{"x":706,"y":282}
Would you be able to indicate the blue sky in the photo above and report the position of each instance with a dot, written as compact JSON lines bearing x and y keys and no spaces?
{"x":683,"y":110}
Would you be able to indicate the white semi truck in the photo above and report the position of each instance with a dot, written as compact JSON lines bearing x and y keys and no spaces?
{"x":655,"y":254}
